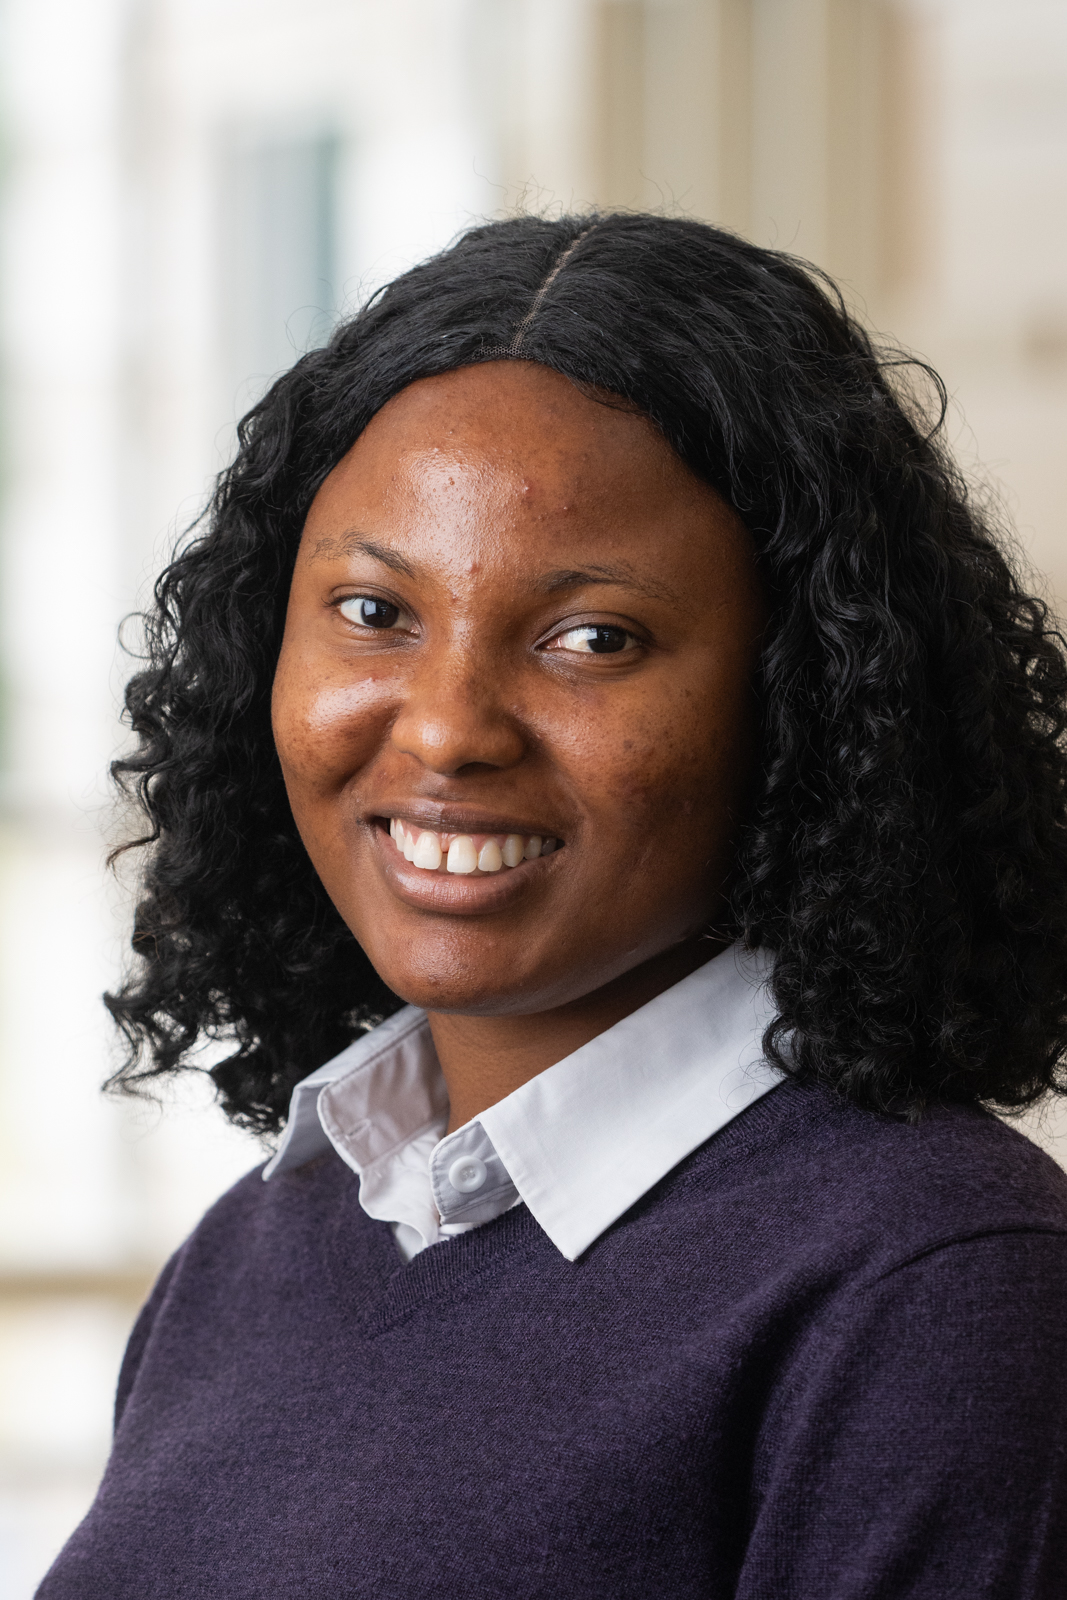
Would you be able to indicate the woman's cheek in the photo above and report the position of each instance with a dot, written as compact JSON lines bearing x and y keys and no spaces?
{"x":332,"y":730}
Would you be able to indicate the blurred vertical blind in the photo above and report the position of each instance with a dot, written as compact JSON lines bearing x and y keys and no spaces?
{"x":192,"y":192}
{"x":779,"y":118}
{"x":277,"y":233}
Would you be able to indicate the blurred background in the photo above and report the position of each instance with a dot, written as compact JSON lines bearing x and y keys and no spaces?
{"x":191,"y":191}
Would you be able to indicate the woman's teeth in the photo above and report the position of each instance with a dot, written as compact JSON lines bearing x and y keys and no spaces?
{"x":466,"y":852}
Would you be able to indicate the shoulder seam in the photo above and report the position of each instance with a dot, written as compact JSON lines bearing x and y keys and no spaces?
{"x":953,"y":1240}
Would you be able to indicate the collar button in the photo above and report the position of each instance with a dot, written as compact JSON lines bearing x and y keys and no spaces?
{"x":467,"y":1174}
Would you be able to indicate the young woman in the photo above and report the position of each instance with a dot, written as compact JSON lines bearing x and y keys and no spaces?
{"x":607,"y":780}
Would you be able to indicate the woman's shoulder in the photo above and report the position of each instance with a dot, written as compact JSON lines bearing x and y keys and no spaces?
{"x":810,"y":1172}
{"x":961,"y":1164}
{"x":252,"y":1202}
{"x":280,"y":1222}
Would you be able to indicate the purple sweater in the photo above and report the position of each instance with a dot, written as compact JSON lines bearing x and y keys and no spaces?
{"x":825,"y":1359}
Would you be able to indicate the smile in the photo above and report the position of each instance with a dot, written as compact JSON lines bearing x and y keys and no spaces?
{"x":467,"y":854}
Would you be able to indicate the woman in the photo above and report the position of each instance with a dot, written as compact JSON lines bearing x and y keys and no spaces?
{"x":594,"y":668}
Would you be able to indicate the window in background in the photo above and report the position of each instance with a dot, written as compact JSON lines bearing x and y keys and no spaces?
{"x":278,"y":228}
{"x":95,"y":1193}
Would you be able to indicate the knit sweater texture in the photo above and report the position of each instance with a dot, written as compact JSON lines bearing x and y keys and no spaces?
{"x":824,"y":1359}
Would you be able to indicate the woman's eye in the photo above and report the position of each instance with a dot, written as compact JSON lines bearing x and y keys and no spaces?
{"x":595,"y":639}
{"x":369,"y":612}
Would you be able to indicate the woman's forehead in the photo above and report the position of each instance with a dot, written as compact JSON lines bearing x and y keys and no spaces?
{"x":497,"y":393}
{"x":514,"y":434}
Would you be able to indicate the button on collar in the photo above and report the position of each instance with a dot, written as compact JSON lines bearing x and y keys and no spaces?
{"x":467,"y":1174}
{"x":469,"y":1181}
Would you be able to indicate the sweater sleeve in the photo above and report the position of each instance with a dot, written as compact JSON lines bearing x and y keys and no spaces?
{"x":918,"y":1445}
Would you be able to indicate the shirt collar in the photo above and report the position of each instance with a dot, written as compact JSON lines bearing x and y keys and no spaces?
{"x":582,"y":1141}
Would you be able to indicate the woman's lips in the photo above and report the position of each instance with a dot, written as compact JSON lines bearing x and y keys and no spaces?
{"x":467,"y":854}
{"x":476,"y":892}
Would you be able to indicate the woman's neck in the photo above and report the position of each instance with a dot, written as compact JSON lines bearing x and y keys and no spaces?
{"x":485,"y":1058}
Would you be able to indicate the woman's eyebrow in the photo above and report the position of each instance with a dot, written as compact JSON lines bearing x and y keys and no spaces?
{"x":578,"y":578}
{"x":350,"y":544}
{"x":553,"y":582}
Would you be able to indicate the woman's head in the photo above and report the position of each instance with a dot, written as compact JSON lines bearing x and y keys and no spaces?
{"x":882,"y":798}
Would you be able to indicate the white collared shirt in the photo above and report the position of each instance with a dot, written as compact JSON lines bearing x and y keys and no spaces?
{"x":579,"y":1144}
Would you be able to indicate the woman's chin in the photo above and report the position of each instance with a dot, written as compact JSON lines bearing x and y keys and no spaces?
{"x":497,"y":977}
{"x":506,"y":979}
{"x":449,"y":996}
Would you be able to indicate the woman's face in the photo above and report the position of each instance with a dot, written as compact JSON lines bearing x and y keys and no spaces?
{"x":517,"y":617}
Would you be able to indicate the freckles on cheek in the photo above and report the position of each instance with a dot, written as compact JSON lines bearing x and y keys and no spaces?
{"x":331,"y":729}
{"x":619,"y":768}
{"x":674,"y":775}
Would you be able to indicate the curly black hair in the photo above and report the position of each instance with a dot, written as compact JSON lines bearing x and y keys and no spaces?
{"x":905,"y":856}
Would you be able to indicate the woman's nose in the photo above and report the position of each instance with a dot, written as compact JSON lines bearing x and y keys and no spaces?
{"x":454,"y":715}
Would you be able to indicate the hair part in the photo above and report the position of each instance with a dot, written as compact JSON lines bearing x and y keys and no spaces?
{"x":905,"y":855}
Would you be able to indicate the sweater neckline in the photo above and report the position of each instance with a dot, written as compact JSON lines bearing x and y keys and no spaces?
{"x":447,"y":1272}
{"x":441,"y":1273}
